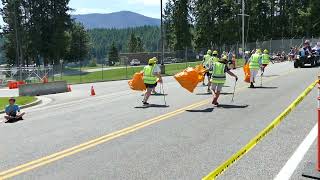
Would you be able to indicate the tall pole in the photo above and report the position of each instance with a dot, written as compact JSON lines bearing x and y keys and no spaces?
{"x":162,"y":42}
{"x":243,"y":32}
{"x":17,"y":39}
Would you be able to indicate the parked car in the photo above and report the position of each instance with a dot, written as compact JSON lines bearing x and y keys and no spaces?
{"x":168,"y":60}
{"x":135,"y":62}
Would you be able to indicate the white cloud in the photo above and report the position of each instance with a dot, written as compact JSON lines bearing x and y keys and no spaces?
{"x":90,"y":10}
{"x":146,"y":2}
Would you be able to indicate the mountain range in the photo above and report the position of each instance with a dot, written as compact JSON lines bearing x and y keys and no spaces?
{"x":118,"y":20}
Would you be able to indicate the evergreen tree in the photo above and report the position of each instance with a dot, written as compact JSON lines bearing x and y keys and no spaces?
{"x":113,"y":54}
{"x":181,"y":23}
{"x":139,"y":47}
{"x":168,"y":26}
{"x":132,"y":46}
{"x":79,"y":43}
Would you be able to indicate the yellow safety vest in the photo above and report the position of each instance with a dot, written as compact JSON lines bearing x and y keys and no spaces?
{"x":218,"y":75}
{"x":265,"y":59}
{"x":148,"y":76}
{"x":254,"y":62}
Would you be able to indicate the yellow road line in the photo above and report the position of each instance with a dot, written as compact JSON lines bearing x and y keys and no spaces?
{"x":253,"y":142}
{"x":56,"y":156}
{"x":84,"y":146}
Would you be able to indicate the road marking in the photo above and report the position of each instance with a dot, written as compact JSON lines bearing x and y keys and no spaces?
{"x":100,"y":140}
{"x":253,"y":142}
{"x":56,"y":156}
{"x":292,"y":164}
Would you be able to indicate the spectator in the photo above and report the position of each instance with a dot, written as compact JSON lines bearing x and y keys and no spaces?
{"x":12,"y":111}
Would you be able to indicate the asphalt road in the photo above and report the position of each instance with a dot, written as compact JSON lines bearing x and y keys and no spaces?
{"x":186,"y":144}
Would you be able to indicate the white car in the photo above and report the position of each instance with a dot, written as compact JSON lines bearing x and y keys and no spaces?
{"x":135,"y":62}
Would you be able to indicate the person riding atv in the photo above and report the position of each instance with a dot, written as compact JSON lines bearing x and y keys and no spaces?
{"x":307,"y":56}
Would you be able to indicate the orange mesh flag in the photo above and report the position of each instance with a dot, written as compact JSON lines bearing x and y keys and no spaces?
{"x":188,"y":79}
{"x":136,"y":83}
{"x":246,"y":70}
{"x":201,"y":71}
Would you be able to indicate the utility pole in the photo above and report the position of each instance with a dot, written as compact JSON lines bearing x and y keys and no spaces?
{"x":162,"y":42}
{"x":243,"y":32}
{"x":243,"y":27}
{"x":17,"y":39}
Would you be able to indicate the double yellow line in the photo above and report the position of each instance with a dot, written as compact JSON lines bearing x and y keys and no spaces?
{"x":76,"y":149}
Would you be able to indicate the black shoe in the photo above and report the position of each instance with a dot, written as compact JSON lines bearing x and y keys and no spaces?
{"x":145,"y":103}
{"x":251,"y":85}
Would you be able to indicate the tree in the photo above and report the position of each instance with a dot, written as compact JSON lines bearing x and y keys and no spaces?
{"x":181,"y":24}
{"x":113,"y":54}
{"x":139,"y":47}
{"x":79,"y":43}
{"x":168,"y":25}
{"x":132,"y":46}
{"x":36,"y":28}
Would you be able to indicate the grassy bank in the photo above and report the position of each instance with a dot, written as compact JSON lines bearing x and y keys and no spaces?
{"x":19,"y":100}
{"x":127,"y":73}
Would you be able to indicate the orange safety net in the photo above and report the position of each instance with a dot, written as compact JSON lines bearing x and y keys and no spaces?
{"x":246,"y":70}
{"x":137,"y":83}
{"x":201,"y":71}
{"x":188,"y":79}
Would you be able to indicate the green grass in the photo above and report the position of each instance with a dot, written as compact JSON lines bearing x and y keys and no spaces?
{"x":19,"y":100}
{"x":123,"y":73}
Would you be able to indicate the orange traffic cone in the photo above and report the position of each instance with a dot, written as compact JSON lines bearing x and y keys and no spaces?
{"x":93,"y":93}
{"x":69,"y":88}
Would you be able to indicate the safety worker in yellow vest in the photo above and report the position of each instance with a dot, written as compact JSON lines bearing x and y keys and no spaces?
{"x":265,"y":58}
{"x":210,"y":64}
{"x":255,"y":63}
{"x":205,"y":63}
{"x":151,"y":76}
{"x":218,"y":78}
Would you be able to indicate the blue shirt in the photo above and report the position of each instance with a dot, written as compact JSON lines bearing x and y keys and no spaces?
{"x":12,"y":108}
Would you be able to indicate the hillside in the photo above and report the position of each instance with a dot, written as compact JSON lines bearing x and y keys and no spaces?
{"x":118,"y":20}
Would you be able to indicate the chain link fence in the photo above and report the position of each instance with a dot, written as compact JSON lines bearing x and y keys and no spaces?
{"x":130,"y":63}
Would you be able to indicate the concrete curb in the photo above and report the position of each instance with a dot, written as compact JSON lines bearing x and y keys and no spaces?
{"x":35,"y":103}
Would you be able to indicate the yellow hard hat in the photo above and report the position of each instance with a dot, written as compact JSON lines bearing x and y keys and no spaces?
{"x":266,"y":51}
{"x":215,"y":52}
{"x":258,"y":51}
{"x":223,"y":59}
{"x":152,"y":61}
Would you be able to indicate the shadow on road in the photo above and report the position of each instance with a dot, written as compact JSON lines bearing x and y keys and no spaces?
{"x":208,"y":110}
{"x":157,"y":95}
{"x":263,"y":87}
{"x":271,"y":75}
{"x":206,"y":94}
{"x":229,"y":106}
{"x":152,"y":106}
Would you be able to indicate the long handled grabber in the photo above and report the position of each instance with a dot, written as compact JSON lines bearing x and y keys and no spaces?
{"x":234,"y":91}
{"x":164,"y":95}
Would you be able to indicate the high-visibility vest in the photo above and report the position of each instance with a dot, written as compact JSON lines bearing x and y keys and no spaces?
{"x":265,"y":58}
{"x":218,"y":75}
{"x":254,"y":62}
{"x":206,"y":61}
{"x":215,"y":59}
{"x":148,"y":76}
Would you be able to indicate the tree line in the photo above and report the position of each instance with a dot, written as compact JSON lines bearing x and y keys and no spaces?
{"x":40,"y":31}
{"x":212,"y":23}
{"x":133,"y":40}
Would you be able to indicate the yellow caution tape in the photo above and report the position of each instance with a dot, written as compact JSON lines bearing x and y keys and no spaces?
{"x":259,"y":137}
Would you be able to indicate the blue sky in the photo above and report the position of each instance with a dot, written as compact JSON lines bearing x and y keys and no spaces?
{"x":149,"y":8}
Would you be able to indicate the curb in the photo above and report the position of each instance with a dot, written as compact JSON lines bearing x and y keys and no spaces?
{"x":35,"y":103}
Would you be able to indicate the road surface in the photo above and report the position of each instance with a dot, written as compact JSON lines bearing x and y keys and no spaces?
{"x":186,"y":140}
